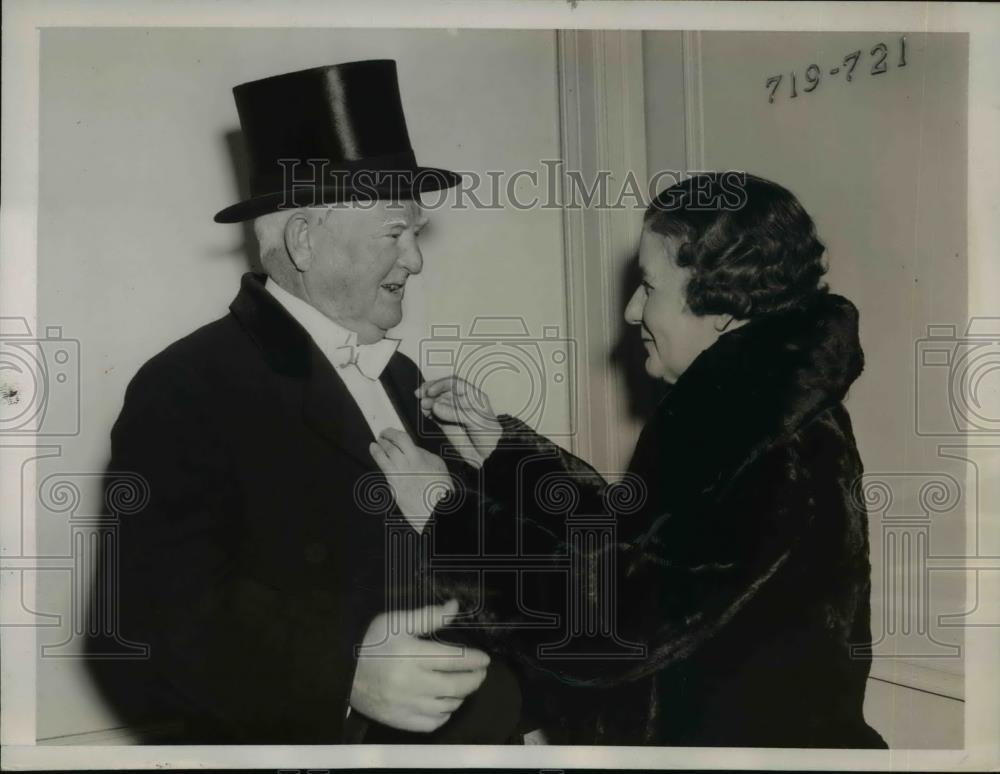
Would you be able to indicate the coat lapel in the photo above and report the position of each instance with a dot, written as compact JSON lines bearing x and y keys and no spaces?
{"x":330,"y":410}
{"x":400,"y":379}
{"x":327,"y":405}
{"x":396,"y":382}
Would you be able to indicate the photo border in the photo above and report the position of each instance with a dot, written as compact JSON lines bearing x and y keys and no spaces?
{"x":22,"y":21}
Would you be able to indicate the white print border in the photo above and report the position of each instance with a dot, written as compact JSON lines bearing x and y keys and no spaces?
{"x":21,"y":21}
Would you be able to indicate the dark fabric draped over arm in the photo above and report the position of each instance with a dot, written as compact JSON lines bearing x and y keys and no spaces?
{"x":682,"y":579}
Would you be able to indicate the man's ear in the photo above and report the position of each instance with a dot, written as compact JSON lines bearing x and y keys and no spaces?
{"x":297,"y":241}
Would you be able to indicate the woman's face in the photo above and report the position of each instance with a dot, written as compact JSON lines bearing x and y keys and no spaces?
{"x":673,"y":336}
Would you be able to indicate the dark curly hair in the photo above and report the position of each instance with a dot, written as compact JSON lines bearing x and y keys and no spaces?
{"x":751,"y":247}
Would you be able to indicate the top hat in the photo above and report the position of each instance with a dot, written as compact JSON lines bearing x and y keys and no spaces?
{"x":327,"y":135}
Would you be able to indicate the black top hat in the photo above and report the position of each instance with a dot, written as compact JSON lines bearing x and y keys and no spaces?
{"x":326,"y":135}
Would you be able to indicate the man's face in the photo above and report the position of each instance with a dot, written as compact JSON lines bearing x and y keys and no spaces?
{"x":362,"y":257}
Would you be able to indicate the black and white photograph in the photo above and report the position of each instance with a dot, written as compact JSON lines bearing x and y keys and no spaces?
{"x":544,"y":385}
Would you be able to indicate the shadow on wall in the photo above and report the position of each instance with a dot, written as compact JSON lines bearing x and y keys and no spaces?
{"x":237,"y":151}
{"x":118,"y":658}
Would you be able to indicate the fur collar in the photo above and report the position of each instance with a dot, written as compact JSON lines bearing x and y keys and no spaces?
{"x":756,"y":385}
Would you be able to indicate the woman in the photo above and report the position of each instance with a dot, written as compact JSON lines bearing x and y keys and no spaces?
{"x":742,"y":570}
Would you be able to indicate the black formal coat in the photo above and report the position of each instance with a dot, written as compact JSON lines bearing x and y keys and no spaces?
{"x":740,"y":564}
{"x":256,"y":566}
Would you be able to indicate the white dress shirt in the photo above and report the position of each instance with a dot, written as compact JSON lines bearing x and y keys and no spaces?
{"x":368,"y":394}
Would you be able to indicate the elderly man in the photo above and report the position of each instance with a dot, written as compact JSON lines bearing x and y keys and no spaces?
{"x":255,"y":572}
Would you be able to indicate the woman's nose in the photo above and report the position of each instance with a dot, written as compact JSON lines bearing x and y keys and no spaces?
{"x":633,"y":309}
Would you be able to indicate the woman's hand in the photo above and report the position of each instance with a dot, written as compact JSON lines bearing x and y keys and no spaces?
{"x":419,"y":478}
{"x":452,"y":400}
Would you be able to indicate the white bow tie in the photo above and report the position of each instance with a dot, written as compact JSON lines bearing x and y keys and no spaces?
{"x":371,"y":359}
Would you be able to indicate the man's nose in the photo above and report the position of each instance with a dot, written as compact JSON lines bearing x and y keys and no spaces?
{"x":411,"y":258}
{"x":633,"y":309}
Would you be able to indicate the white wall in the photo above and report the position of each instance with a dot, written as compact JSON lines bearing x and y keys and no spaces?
{"x":880,"y":164}
{"x":135,"y":161}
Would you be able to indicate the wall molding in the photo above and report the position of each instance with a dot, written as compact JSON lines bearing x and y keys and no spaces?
{"x":694,"y":113}
{"x":918,"y":676}
{"x":602,"y":129}
{"x":148,"y":733}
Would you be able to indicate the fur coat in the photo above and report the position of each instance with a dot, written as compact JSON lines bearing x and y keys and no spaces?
{"x":718,"y":594}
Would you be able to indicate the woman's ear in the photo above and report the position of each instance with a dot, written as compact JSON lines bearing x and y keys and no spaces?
{"x":297,"y":241}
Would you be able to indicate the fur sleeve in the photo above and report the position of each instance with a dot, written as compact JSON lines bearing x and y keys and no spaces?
{"x":668,"y":592}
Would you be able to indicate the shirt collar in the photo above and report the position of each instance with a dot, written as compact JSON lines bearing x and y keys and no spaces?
{"x":327,"y":334}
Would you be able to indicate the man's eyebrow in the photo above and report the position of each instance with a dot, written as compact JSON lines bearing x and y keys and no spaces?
{"x":423,"y":221}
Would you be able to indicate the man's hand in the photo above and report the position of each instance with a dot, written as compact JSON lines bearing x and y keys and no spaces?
{"x":452,"y":400}
{"x":418,"y":477}
{"x":411,"y":683}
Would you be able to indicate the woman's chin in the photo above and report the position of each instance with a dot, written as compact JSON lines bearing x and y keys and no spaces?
{"x":654,"y":369}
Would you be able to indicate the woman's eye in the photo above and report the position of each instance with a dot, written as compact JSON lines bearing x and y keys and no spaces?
{"x":646,"y":286}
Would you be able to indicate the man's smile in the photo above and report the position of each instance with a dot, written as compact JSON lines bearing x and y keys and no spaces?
{"x":394,"y":288}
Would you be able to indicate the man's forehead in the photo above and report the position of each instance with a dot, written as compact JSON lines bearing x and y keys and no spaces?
{"x":381,"y":212}
{"x":408,"y":212}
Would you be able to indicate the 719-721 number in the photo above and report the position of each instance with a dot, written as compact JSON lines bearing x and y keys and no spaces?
{"x":814,"y":73}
